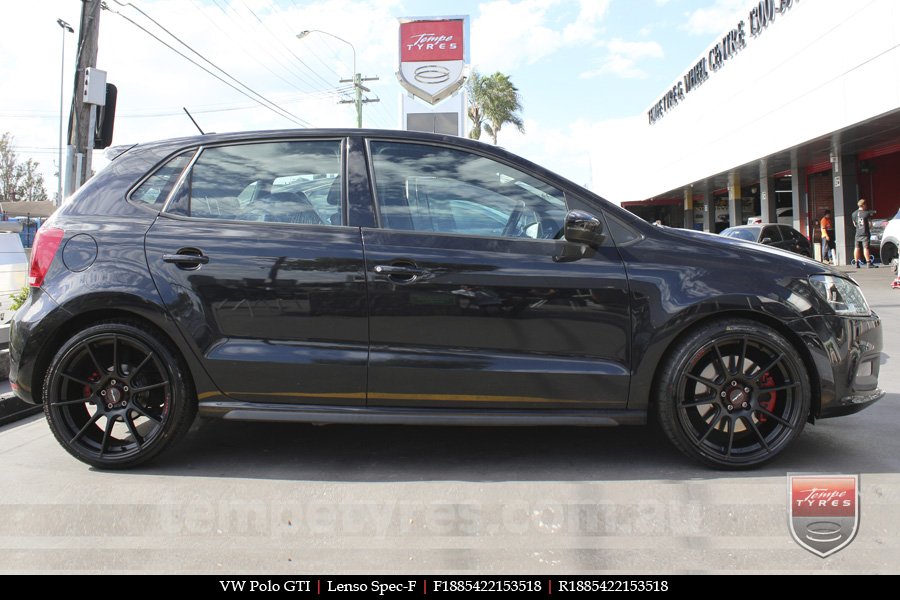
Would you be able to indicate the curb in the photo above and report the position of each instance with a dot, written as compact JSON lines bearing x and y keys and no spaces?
{"x":13,"y":408}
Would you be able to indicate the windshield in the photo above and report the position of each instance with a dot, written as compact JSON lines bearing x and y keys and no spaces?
{"x":750,"y":234}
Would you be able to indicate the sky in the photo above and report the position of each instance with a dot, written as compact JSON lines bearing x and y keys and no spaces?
{"x":580,"y":65}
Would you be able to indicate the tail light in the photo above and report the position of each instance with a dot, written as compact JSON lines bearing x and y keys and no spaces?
{"x":44,"y":248}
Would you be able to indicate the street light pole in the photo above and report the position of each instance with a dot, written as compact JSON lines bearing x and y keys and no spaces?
{"x":62,"y":73}
{"x":357,"y":78}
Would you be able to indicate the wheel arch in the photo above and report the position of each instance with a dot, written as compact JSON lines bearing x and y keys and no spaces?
{"x":888,"y":250}
{"x":790,"y":335}
{"x":87,"y":318}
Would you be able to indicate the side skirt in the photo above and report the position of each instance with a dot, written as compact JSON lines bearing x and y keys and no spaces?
{"x":323,"y":415}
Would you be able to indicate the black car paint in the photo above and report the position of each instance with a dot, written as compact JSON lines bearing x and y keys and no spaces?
{"x":603,"y":319}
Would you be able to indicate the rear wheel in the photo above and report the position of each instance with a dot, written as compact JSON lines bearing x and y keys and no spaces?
{"x":115,"y":396}
{"x":733,"y":394}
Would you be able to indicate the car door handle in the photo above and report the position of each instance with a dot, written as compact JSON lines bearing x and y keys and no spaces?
{"x":186,"y":259}
{"x":400,"y":270}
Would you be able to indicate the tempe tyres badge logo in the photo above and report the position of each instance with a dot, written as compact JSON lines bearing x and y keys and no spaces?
{"x":824,"y":511}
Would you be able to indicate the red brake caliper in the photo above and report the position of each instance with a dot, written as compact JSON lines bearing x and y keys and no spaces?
{"x":95,"y":376}
{"x":766,"y":381}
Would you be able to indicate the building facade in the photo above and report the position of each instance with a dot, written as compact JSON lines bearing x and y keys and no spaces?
{"x":793,"y":110}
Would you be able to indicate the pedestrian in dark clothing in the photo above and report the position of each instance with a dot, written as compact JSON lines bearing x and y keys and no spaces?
{"x":861,"y":220}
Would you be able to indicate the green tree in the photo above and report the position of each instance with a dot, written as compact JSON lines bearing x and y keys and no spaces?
{"x":493,"y":102}
{"x":18,"y":180}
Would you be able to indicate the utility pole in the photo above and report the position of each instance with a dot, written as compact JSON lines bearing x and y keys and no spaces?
{"x":357,"y":80}
{"x":78,"y":168}
{"x":359,"y":88}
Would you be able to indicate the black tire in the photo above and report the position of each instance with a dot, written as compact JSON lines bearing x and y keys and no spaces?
{"x":733,"y":394}
{"x":117,"y":395}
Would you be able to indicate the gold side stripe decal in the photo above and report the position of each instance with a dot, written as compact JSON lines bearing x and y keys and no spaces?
{"x":390,"y":396}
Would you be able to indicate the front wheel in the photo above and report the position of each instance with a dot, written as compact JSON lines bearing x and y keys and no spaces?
{"x":733,"y":394}
{"x":115,"y":396}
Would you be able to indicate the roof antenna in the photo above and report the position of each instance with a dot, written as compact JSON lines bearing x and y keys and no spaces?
{"x":192,"y":120}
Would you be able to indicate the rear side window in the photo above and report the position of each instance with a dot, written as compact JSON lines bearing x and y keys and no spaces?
{"x":156,"y":188}
{"x":295,"y":182}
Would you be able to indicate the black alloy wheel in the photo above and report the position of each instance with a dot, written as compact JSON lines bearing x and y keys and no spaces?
{"x":734,"y":394}
{"x":114,"y":396}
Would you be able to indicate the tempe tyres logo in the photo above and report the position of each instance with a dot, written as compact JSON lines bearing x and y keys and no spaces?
{"x":824,"y":511}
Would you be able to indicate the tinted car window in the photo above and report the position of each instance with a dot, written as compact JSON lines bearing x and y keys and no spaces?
{"x":789,"y":233}
{"x":279,"y":182}
{"x":429,"y":188}
{"x":770,"y":232}
{"x":156,"y":188}
{"x":750,"y":234}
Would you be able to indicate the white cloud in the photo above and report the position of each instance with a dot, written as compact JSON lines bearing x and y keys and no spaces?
{"x":506,"y":34}
{"x":623,"y":57}
{"x":721,"y":16}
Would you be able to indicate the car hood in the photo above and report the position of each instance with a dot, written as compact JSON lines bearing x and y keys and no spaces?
{"x":775,"y":255}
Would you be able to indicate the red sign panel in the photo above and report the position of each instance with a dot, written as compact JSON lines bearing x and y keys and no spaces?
{"x":426,"y":41}
{"x":824,"y":511}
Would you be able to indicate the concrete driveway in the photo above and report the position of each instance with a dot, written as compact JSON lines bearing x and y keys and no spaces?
{"x":340,"y":499}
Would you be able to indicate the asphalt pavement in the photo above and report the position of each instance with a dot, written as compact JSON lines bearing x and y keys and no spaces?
{"x":279,"y":498}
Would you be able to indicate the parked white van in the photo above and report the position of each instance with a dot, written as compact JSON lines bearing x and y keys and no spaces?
{"x":13,"y":272}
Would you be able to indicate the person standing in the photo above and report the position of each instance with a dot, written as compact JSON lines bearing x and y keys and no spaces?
{"x":827,"y":226}
{"x":861,"y":220}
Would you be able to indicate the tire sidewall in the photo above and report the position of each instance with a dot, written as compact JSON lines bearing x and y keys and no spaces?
{"x":181,"y":407}
{"x":667,"y":410}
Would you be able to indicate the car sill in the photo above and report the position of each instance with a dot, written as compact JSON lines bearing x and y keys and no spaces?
{"x":323,"y":415}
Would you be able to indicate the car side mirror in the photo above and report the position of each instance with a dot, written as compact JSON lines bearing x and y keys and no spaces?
{"x":765,"y":241}
{"x":583,"y":228}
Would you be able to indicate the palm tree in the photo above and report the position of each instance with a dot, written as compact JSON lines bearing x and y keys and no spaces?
{"x":493,"y":102}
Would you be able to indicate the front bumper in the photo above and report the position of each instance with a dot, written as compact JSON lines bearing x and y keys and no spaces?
{"x":846,"y":355}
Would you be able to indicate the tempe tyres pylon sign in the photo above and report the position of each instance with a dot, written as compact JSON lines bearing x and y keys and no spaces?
{"x":433,"y":56}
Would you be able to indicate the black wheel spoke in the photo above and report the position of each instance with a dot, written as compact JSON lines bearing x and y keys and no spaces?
{"x":141,"y":365}
{"x":720,"y":363}
{"x":141,"y":411}
{"x":758,"y":433}
{"x":730,"y":437}
{"x":129,"y":421}
{"x":107,"y":431}
{"x":772,"y":415}
{"x":780,"y":388}
{"x":712,"y":426}
{"x":703,"y":380}
{"x":742,"y":358}
{"x":77,"y":380}
{"x":87,"y":425}
{"x":100,"y":370}
{"x":768,"y":367}
{"x":71,"y":402}
{"x":711,"y":398}
{"x":115,"y":355}
{"x":150,"y":387}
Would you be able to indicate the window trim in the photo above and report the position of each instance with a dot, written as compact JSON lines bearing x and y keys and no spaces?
{"x":199,"y":152}
{"x":150,"y":173}
{"x":374,"y":190}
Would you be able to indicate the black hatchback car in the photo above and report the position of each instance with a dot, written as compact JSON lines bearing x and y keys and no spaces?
{"x":771,"y":234}
{"x":356,"y":276}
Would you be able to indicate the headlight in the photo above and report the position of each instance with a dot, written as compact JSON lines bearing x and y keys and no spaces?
{"x":841,"y":294}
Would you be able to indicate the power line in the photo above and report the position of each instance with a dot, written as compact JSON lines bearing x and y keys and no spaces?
{"x":300,"y":76}
{"x":264,"y":64}
{"x":291,"y":52}
{"x":262,"y":100}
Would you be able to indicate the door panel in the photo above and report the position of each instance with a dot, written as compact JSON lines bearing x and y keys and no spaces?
{"x":261,"y":278}
{"x":273,"y":320}
{"x":495,"y":323}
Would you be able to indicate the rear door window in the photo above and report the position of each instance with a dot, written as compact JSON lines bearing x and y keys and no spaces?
{"x":296,"y":182}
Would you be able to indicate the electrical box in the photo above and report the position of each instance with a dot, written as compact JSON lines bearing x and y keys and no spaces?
{"x":94,"y":87}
